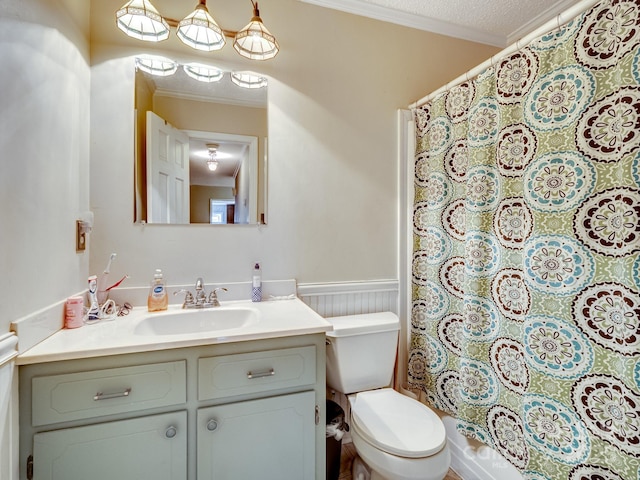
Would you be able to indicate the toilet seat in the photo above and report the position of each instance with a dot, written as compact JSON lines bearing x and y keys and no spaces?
{"x":397,"y":424}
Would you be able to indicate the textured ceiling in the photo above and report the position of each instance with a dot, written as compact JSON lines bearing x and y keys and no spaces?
{"x":494,"y":22}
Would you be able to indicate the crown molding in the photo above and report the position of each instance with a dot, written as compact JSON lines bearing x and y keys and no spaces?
{"x":412,"y":20}
{"x":539,"y":20}
{"x":420,"y":22}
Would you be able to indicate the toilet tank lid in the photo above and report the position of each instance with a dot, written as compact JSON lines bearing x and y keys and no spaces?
{"x":363,"y":323}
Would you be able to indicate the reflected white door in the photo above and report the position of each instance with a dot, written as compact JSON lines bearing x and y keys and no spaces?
{"x":167,"y":172}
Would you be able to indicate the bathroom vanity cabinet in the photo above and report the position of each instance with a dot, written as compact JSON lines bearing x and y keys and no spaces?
{"x":251,"y":409}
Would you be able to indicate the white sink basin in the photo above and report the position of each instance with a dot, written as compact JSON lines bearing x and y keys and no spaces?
{"x":197,"y":321}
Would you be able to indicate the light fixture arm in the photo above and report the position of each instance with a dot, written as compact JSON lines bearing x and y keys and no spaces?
{"x":173,"y":23}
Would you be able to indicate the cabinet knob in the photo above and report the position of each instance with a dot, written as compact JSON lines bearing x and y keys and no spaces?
{"x":212,"y":425}
{"x":171,"y":432}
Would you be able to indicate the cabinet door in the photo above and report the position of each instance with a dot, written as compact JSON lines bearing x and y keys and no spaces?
{"x":153,"y":448}
{"x":270,"y":439}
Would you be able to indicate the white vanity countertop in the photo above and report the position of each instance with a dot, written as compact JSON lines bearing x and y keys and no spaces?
{"x":277,"y":318}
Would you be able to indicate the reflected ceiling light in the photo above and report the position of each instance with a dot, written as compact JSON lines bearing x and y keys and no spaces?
{"x":212,"y":163}
{"x":203,"y":73}
{"x":156,"y":65}
{"x":248,"y":79}
{"x":140,"y":19}
{"x":200,"y":31}
{"x":255,"y":41}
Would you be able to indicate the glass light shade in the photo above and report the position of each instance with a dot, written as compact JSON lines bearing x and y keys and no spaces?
{"x":200,"y":31}
{"x":248,"y":79}
{"x":212,"y":163}
{"x":203,"y":73}
{"x":156,"y":65}
{"x":255,"y":41}
{"x":139,"y":19}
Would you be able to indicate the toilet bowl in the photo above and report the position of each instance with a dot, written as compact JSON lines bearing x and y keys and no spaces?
{"x":398,"y":437}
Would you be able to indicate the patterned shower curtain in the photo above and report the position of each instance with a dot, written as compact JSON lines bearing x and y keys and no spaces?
{"x":526,"y":266}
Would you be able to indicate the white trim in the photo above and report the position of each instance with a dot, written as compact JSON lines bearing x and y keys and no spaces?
{"x":9,"y":424}
{"x":412,"y":20}
{"x":558,"y":21}
{"x":406,"y":149}
{"x":196,"y":97}
{"x":473,"y":460}
{"x":8,"y":343}
{"x":539,"y":20}
{"x":373,"y":286}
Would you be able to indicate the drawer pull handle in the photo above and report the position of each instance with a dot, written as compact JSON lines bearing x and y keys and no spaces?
{"x":212,"y":425}
{"x":262,"y":373}
{"x":171,"y":432}
{"x":107,"y":396}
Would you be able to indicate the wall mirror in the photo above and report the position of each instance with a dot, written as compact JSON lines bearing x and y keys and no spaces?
{"x":200,"y":151}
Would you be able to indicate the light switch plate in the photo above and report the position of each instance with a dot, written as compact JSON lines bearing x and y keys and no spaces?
{"x":81,"y":237}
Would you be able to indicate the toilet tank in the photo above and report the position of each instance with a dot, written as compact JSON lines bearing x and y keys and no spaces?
{"x":361,"y":351}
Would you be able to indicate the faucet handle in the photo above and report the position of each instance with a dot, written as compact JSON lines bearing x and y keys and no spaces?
{"x":188,"y":297}
{"x":213,"y":296}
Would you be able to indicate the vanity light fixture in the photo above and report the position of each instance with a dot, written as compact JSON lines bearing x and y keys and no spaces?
{"x":203,"y":73}
{"x":212,"y":163}
{"x":140,"y":19}
{"x":255,"y":41}
{"x":248,"y":79}
{"x":200,"y":31}
{"x":156,"y":65}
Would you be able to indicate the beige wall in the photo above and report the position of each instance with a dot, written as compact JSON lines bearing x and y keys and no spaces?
{"x":44,"y":159}
{"x":333,"y":190}
{"x":44,"y":172}
{"x":212,"y":117}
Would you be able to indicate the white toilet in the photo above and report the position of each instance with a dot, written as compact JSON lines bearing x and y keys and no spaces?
{"x":397,"y":437}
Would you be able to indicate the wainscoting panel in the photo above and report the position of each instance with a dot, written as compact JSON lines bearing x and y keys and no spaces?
{"x":8,"y":407}
{"x":337,"y":299}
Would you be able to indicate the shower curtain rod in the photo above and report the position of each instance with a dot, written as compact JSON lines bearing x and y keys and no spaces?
{"x":561,"y":19}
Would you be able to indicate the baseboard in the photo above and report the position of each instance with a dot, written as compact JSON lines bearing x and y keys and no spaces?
{"x":473,"y":460}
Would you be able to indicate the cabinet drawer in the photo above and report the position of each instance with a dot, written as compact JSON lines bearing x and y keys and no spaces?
{"x":74,"y":396}
{"x":247,"y":373}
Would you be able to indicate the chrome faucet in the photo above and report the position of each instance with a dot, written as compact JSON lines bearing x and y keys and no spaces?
{"x":200,"y":300}
{"x":201,"y":296}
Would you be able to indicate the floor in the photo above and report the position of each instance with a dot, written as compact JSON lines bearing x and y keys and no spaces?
{"x":346,"y":457}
